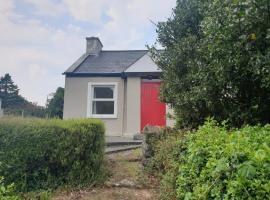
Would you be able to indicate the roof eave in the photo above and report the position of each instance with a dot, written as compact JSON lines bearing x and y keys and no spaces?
{"x":143,"y":74}
{"x":109,"y":74}
{"x":72,"y":74}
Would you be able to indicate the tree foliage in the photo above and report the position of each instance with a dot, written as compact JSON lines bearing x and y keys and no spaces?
{"x":216,"y":61}
{"x":9,"y":93}
{"x":56,"y":103}
{"x":13,"y":103}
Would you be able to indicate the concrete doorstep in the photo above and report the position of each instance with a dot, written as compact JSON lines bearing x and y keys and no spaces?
{"x":116,"y":149}
{"x":117,"y":144}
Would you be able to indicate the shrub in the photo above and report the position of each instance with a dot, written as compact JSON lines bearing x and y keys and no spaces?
{"x":213,"y":163}
{"x":167,"y":153}
{"x":151,"y":135}
{"x":42,"y":154}
{"x":216,"y":61}
{"x":166,"y":149}
{"x":7,"y":192}
{"x":222,"y":164}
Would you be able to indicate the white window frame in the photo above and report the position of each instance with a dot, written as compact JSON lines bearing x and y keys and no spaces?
{"x":90,"y":99}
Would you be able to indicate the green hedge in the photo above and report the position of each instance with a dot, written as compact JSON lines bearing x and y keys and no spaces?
{"x":166,"y":147}
{"x":214,"y":163}
{"x":164,"y":163}
{"x":41,"y":154}
{"x":222,"y":164}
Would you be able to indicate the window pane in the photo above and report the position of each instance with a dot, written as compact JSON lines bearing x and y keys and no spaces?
{"x":103,"y":92}
{"x":103,"y":107}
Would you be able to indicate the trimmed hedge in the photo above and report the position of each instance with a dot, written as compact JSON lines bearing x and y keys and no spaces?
{"x":42,"y":154}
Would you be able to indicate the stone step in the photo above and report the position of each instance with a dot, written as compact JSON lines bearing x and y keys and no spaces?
{"x":115,"y":149}
{"x":121,"y":141}
{"x":111,"y":144}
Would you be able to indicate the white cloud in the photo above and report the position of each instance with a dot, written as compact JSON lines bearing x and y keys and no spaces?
{"x":47,"y":7}
{"x":36,"y":52}
{"x":87,"y":10}
{"x":6,"y":6}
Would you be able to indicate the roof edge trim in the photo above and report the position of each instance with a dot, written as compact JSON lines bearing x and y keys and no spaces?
{"x":77,"y":63}
{"x":71,"y":74}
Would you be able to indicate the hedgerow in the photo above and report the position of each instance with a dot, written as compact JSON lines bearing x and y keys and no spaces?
{"x":167,"y":154}
{"x":213,"y":163}
{"x":222,"y":164}
{"x":42,"y":154}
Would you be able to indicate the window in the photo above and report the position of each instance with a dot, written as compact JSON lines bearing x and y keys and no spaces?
{"x":102,"y":100}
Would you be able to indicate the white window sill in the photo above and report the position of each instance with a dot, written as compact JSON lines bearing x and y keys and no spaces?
{"x":103,"y":116}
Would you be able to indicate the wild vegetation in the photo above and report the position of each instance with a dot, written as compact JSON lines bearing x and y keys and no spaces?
{"x":40,"y":154}
{"x":7,"y":192}
{"x":213,"y":163}
{"x":216,"y":61}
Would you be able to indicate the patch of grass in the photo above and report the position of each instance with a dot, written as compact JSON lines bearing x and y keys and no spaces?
{"x":43,"y":195}
{"x":122,"y":166}
{"x":124,"y":170}
{"x":133,"y":155}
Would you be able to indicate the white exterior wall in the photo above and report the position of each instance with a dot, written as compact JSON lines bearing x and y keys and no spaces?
{"x":133,"y":106}
{"x":128,"y":121}
{"x":75,"y":101}
{"x":144,"y":64}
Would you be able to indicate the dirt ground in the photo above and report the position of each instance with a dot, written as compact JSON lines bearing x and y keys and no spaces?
{"x":127,"y":181}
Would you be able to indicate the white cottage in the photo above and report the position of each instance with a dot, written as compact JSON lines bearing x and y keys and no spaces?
{"x":119,"y":87}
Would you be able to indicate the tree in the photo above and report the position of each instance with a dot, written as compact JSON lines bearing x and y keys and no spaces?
{"x":216,"y":61}
{"x":9,"y":93}
{"x":56,"y":103}
{"x":14,"y":103}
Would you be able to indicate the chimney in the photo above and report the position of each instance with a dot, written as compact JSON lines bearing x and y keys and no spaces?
{"x":93,"y":45}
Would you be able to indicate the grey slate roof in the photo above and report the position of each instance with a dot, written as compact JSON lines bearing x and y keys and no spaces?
{"x":105,"y":62}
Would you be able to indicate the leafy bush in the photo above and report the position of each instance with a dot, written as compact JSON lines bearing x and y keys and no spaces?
{"x":167,"y":153}
{"x":7,"y":193}
{"x":216,"y":61}
{"x":163,"y":154}
{"x":42,"y":154}
{"x":151,"y":135}
{"x":213,"y":163}
{"x":221,"y":164}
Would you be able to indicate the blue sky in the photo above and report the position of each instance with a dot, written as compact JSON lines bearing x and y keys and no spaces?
{"x":39,"y":39}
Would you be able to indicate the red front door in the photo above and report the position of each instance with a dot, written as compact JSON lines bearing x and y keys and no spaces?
{"x":153,"y":112}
